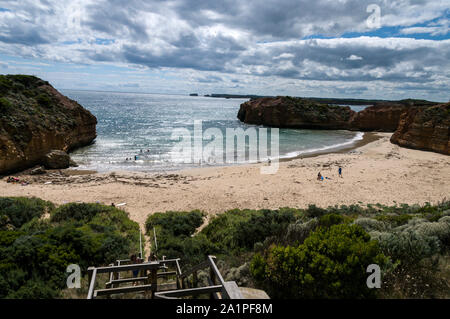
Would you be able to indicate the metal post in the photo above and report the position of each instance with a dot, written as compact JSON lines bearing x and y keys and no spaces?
{"x":154,"y":279}
{"x":195,"y":279}
{"x":156,"y":243}
{"x":140,"y":243}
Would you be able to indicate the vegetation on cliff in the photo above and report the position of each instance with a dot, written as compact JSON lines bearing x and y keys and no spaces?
{"x":39,"y":241}
{"x":286,"y":111}
{"x":35,"y":118}
{"x":313,"y":111}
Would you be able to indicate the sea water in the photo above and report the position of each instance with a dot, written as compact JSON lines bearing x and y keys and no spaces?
{"x":141,"y":126}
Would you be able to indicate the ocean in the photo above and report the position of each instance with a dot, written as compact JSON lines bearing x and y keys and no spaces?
{"x":135,"y":132}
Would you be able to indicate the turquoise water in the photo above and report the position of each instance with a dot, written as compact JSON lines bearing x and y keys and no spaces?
{"x":131,"y":122}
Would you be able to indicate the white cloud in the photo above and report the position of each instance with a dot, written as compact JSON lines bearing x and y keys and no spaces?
{"x":252,"y":40}
{"x":354,"y":58}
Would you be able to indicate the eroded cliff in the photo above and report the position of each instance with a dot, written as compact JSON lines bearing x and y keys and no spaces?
{"x":425,"y":129}
{"x":35,"y":119}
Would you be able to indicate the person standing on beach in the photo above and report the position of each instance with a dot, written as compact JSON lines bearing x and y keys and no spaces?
{"x":340,"y":172}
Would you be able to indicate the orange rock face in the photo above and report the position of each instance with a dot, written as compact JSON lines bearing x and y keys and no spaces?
{"x":294,"y":113}
{"x":36,"y":119}
{"x":304,"y":113}
{"x":417,"y":124}
{"x":383,"y":117}
{"x":425,"y":129}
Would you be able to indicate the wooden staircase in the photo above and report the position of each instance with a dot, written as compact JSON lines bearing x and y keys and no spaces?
{"x":162,"y":279}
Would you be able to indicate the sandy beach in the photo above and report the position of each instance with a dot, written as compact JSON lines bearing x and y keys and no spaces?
{"x":378,"y":172}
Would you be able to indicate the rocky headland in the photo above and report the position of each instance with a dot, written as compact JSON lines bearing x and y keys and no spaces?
{"x":417,"y":124}
{"x":425,"y":129}
{"x":35,"y":120}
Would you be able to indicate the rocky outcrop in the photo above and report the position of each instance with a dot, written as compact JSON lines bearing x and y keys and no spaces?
{"x":57,"y":159}
{"x":35,"y":119}
{"x":425,"y":129}
{"x":417,"y":124}
{"x":305,"y":113}
{"x":384,"y":116}
{"x":291,"y":112}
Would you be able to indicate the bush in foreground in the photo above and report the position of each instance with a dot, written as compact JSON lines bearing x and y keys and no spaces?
{"x":35,"y":251}
{"x":331,"y":263}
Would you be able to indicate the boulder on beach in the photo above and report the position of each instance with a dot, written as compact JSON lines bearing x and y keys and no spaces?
{"x":57,"y":159}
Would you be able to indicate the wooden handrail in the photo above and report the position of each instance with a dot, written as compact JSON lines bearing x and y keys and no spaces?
{"x":143,"y":266}
{"x":227,"y":290}
{"x":215,"y":269}
{"x":187,"y":292}
{"x":133,"y":279}
{"x":93,"y":275}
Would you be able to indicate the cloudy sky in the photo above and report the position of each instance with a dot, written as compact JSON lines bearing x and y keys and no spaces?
{"x":327,"y":48}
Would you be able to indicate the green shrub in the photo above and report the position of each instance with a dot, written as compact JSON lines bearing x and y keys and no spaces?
{"x":370,"y":224}
{"x":415,"y":241}
{"x":329,"y":220}
{"x":44,"y":100}
{"x":408,"y":247}
{"x":82,"y":212}
{"x":5,"y":105}
{"x":331,"y":263}
{"x":34,"y":289}
{"x":33,"y":260}
{"x":16,"y":211}
{"x":258,"y":227}
{"x":242,"y":229}
{"x":297,"y":232}
{"x":175,"y":223}
{"x":394,"y":220}
{"x":5,"y":84}
{"x":25,"y":80}
{"x":314,"y":211}
{"x":191,"y":250}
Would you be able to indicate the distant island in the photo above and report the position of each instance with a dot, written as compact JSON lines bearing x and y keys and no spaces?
{"x":234,"y":96}
{"x":193,"y":94}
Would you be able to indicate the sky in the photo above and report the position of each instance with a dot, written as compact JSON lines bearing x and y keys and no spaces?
{"x":382,"y":49}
